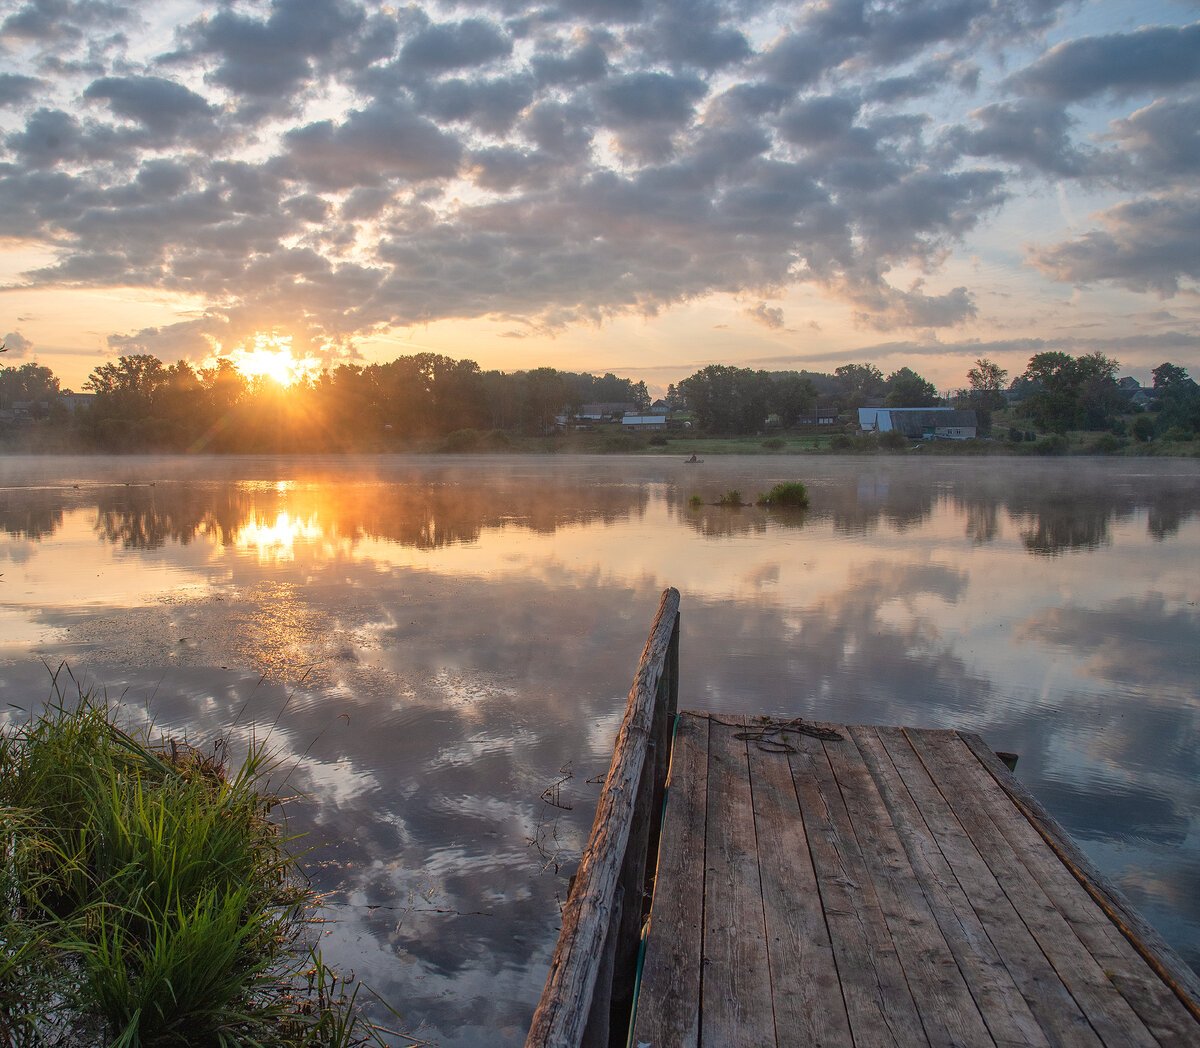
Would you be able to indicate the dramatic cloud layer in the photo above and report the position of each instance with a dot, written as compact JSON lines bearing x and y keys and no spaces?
{"x":342,"y":167}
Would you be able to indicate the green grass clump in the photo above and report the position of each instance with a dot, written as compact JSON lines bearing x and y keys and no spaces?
{"x":147,"y":899}
{"x":788,"y":494}
{"x":732,"y":497}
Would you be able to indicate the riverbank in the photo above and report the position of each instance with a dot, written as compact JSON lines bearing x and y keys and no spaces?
{"x":149,"y":897}
{"x":612,"y":440}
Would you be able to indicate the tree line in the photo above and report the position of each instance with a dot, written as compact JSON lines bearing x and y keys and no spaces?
{"x":140,"y":403}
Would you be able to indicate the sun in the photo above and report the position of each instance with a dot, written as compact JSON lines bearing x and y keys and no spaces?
{"x":271,"y":356}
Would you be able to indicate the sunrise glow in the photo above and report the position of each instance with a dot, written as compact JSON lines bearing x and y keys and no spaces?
{"x":271,"y":356}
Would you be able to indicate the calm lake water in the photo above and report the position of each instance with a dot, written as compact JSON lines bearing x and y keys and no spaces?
{"x":439,"y":649}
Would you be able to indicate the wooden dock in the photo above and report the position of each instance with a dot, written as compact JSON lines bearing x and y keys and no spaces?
{"x":799,"y":884}
{"x":834,"y":885}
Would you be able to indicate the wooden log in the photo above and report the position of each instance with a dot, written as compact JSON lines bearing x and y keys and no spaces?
{"x":598,"y":1031}
{"x":566,"y":1002}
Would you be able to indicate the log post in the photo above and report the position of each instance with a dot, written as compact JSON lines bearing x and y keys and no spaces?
{"x":615,"y":859}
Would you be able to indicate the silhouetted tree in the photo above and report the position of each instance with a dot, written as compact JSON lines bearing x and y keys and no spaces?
{"x":906,"y":389}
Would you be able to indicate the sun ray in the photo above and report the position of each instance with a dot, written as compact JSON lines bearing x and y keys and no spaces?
{"x":271,"y":356}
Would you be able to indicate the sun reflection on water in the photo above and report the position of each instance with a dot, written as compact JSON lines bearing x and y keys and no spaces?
{"x":276,"y":541}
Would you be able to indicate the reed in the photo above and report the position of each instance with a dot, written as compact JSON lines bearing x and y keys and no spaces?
{"x":788,"y":494}
{"x":147,"y":898}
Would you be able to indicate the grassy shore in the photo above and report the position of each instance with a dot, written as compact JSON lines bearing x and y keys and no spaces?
{"x":147,"y":898}
{"x":612,"y":440}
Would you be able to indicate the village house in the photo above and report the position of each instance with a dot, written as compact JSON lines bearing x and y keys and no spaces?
{"x":920,"y":423}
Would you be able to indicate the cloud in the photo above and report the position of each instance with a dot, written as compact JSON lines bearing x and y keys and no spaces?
{"x":1162,"y":141}
{"x":1031,"y":133}
{"x":446,"y":46}
{"x":161,"y":106}
{"x":890,"y":308}
{"x":490,"y":105}
{"x":63,"y":21}
{"x":1151,"y":58}
{"x":582,"y":65}
{"x":368,"y":165}
{"x":769,"y":316}
{"x":1147,"y":244}
{"x":369,"y":147}
{"x":52,"y":137}
{"x":15,"y":88}
{"x":15,"y":345}
{"x":269,"y":60}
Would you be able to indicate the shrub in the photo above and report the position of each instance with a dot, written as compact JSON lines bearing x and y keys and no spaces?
{"x":1143,"y":428}
{"x":774,"y":443}
{"x":1107,"y":444}
{"x":657,"y":440}
{"x":1055,"y":444}
{"x":893,"y":440}
{"x":732,"y":497}
{"x":789,"y":494}
{"x":461,"y":440}
{"x":840,"y":442}
{"x":621,"y":443}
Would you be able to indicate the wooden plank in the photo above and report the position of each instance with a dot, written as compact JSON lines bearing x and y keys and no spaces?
{"x":947,"y":1010}
{"x":965,"y":784}
{"x":1008,"y":1018}
{"x":1159,"y":986}
{"x":668,"y":1002}
{"x":1023,"y":960}
{"x":809,"y":1009}
{"x":735,"y":990}
{"x":878,"y":1003}
{"x":567,"y":996}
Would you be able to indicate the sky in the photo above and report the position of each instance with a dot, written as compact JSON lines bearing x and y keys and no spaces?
{"x":638,"y":186}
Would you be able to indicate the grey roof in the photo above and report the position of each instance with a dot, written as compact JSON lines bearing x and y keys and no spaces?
{"x":917,"y":422}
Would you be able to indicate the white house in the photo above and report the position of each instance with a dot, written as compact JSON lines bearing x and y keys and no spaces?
{"x":645,"y":422}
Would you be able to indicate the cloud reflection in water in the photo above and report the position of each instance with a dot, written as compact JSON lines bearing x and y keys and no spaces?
{"x":431,"y":644}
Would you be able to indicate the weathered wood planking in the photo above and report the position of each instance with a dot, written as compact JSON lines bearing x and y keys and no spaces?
{"x":888,"y":887}
{"x":592,"y":951}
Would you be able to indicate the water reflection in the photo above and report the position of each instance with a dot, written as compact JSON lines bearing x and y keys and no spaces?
{"x":430,"y":645}
{"x":429,"y":508}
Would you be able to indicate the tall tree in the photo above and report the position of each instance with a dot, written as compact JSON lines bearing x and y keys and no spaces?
{"x":1177,"y":404}
{"x":987,"y":384}
{"x":727,"y":399}
{"x":856,"y":383}
{"x":1168,"y":374}
{"x":907,"y":389}
{"x":1076,"y":392}
{"x":29,"y":383}
{"x":791,"y":396}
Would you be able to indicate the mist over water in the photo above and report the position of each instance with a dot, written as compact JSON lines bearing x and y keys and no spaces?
{"x":440,"y":650}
